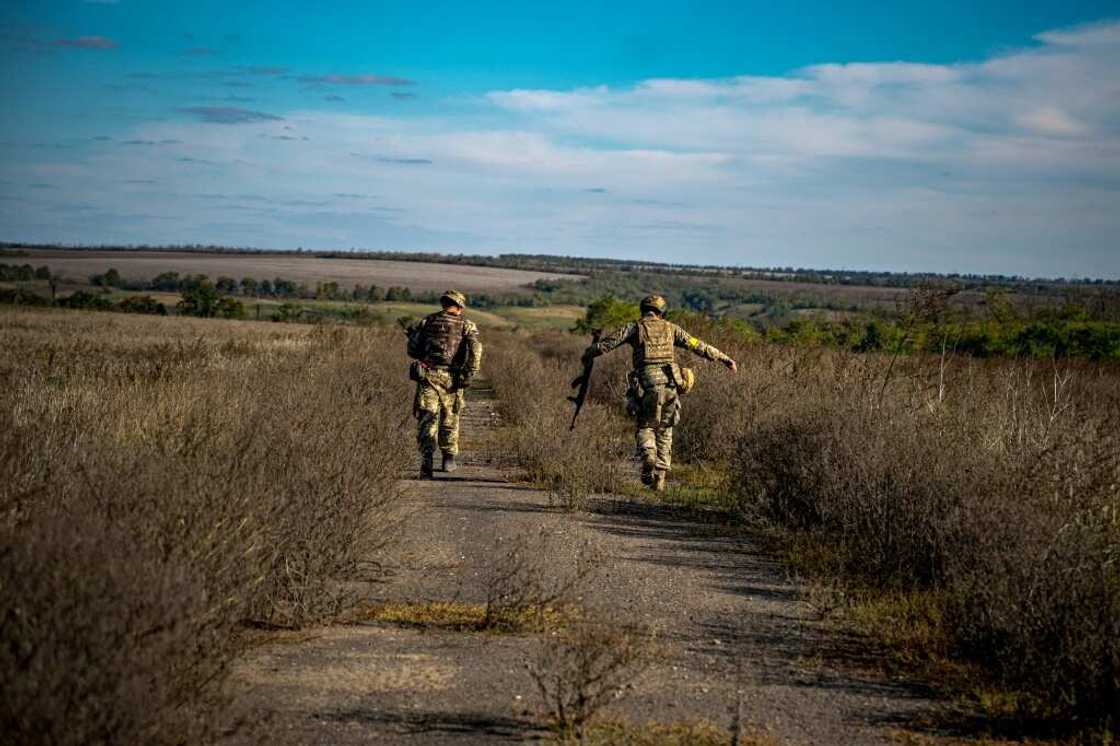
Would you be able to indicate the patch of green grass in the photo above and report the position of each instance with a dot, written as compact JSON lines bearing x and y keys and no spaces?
{"x":457,"y":616}
{"x":561,"y":317}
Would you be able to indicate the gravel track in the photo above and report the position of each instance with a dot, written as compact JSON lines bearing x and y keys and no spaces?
{"x":739,"y":647}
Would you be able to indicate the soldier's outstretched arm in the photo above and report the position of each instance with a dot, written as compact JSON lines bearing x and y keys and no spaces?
{"x":608,"y":342}
{"x":681,"y":338}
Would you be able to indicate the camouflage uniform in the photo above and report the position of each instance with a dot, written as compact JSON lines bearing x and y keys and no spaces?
{"x":653,"y":397}
{"x":448,"y":355}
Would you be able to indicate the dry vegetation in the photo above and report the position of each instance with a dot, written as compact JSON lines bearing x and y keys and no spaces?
{"x":977,"y":503}
{"x":165,"y":482}
{"x":581,"y":669}
{"x":168,"y":480}
{"x":531,"y":377}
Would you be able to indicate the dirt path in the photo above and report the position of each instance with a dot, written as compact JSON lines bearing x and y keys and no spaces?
{"x":740,"y":648}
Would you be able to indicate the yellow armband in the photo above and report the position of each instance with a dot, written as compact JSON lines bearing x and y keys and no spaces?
{"x":693,"y":343}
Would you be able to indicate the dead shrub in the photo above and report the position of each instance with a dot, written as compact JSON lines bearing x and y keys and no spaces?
{"x":580,"y":670}
{"x":169,"y":480}
{"x":532,"y":391}
{"x":993,"y":484}
{"x":530,"y":575}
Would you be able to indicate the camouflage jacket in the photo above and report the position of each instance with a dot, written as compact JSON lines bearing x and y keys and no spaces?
{"x":630,"y":334}
{"x":445,"y":340}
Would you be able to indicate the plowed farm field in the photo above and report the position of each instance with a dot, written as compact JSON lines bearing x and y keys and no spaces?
{"x":144,"y":265}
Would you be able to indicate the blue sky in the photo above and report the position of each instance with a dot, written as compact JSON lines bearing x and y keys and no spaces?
{"x":950,"y":136}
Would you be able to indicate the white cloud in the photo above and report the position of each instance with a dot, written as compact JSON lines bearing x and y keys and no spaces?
{"x":1011,"y":164}
{"x":1050,"y":120}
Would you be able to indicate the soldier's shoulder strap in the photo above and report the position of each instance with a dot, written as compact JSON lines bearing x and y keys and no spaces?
{"x":469,"y":327}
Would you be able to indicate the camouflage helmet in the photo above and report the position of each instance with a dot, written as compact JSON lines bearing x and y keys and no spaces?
{"x":454,"y":297}
{"x":654,"y":303}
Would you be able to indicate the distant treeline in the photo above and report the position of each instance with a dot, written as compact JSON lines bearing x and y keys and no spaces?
{"x":1085,"y":324}
{"x":1065,"y":332}
{"x":585,"y":265}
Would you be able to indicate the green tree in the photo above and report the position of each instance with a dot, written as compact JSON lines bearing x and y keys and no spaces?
{"x":166,"y":281}
{"x":284,"y":288}
{"x":226,"y":285}
{"x":607,"y":312}
{"x":111,"y":279}
{"x":230,"y":308}
{"x":249,"y":286}
{"x":201,"y":299}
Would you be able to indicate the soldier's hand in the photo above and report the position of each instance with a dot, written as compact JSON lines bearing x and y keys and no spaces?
{"x":731,"y":365}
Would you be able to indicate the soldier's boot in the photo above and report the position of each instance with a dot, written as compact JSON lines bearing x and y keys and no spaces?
{"x":449,"y":464}
{"x":426,"y":466}
{"x":648,"y":470}
{"x":660,"y":476}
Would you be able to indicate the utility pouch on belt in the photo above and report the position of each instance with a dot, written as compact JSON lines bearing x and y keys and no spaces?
{"x":417,"y":372}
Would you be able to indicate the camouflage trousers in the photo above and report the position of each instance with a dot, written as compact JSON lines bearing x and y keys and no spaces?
{"x":437,"y":409}
{"x":658,"y":410}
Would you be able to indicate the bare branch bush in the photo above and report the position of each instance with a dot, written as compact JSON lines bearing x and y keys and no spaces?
{"x":531,"y":377}
{"x":993,"y":483}
{"x":166,"y":480}
{"x":581,"y":669}
{"x":529,"y":575}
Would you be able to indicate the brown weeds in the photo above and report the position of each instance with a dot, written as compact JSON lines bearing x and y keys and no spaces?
{"x":164,"y":481}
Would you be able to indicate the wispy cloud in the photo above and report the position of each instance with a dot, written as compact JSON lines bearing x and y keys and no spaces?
{"x":333,"y":97}
{"x":87,"y":42}
{"x":1011,"y":163}
{"x":265,"y":70}
{"x":228,"y":114}
{"x":398,"y":160}
{"x":406,"y":161}
{"x":356,"y":80}
{"x":167,"y":141}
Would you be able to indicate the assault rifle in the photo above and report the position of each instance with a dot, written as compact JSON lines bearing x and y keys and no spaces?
{"x":582,"y":382}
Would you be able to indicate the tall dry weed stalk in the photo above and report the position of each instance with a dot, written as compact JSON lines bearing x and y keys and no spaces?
{"x":581,"y":669}
{"x":166,"y":480}
{"x":531,"y":377}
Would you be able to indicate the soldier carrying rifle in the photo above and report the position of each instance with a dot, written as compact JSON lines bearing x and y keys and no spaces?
{"x":447,"y":354}
{"x":656,"y":381}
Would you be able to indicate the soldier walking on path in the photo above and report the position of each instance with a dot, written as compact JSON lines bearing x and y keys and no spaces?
{"x":656,"y":381}
{"x":447,"y":354}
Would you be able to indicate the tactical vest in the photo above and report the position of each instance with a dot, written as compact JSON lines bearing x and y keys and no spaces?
{"x":443,"y":335}
{"x":655,"y":342}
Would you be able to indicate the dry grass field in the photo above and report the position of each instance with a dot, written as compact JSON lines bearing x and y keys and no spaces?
{"x":144,"y":265}
{"x":966,"y":511}
{"x":168,"y":479}
{"x":165,"y":481}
